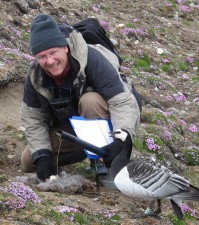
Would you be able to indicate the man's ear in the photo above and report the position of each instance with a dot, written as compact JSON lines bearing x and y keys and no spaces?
{"x":66,"y":49}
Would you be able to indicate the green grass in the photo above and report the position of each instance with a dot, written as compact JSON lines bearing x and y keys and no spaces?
{"x":195,"y":78}
{"x":183,"y":66}
{"x":143,"y":63}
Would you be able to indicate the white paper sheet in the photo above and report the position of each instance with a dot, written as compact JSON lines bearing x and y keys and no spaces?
{"x":95,"y":131}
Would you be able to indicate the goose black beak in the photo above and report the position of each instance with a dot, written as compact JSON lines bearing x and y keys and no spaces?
{"x":113,"y":133}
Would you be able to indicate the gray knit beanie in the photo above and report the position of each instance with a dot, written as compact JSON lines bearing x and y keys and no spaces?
{"x":45,"y":34}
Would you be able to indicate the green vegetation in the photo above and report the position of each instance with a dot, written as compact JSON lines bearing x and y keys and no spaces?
{"x":166,"y":68}
{"x":187,"y":217}
{"x":130,"y":25}
{"x":143,"y":63}
{"x":191,"y":155}
{"x":183,"y":66}
{"x":25,"y":36}
{"x":195,"y":78}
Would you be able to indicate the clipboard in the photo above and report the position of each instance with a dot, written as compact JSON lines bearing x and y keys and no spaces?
{"x":94,"y":131}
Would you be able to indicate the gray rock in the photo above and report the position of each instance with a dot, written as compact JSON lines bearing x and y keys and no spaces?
{"x":22,"y":5}
{"x":33,"y":4}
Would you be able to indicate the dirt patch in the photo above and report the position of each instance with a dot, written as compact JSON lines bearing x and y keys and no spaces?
{"x":10,"y":101}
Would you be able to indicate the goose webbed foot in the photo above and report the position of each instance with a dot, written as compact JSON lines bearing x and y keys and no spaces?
{"x":149,"y":211}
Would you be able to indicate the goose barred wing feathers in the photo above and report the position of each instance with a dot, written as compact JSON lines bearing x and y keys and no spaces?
{"x":158,"y":180}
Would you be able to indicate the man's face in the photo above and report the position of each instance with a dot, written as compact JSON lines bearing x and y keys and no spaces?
{"x":53,"y":60}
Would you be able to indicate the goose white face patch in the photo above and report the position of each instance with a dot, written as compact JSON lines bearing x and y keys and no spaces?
{"x":120,"y":134}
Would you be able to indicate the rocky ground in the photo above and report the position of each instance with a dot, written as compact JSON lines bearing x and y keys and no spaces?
{"x":158,"y":41}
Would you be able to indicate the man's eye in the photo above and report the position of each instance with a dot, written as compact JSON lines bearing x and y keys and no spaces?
{"x":54,"y":52}
{"x":41,"y":57}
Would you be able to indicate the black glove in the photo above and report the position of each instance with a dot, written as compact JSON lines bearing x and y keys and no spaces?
{"x":45,"y":167}
{"x":113,"y":150}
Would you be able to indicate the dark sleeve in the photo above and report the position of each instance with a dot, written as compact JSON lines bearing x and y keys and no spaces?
{"x":30,"y":96}
{"x":102,"y":76}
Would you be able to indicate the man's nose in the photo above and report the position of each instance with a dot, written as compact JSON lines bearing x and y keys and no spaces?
{"x":49,"y":59}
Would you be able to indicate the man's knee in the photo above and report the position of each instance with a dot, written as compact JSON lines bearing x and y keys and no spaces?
{"x":26,"y":161}
{"x":93,"y":105}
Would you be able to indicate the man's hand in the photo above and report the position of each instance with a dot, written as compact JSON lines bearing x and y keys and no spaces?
{"x":45,"y":167}
{"x":113,"y":150}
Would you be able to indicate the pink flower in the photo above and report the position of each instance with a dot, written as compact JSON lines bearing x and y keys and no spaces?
{"x":184,"y":76}
{"x":150,"y":142}
{"x":182,"y":122}
{"x":186,"y":208}
{"x":63,"y":209}
{"x":196,"y":100}
{"x":16,"y":203}
{"x":168,"y":4}
{"x":180,"y":1}
{"x":95,"y":8}
{"x":134,"y":20}
{"x":105,"y":24}
{"x":179,"y":98}
{"x":190,"y":59}
{"x":185,"y":8}
{"x":167,"y":135}
{"x":138,"y":31}
{"x":193,"y":128}
{"x":165,"y":61}
{"x":126,"y":31}
{"x":169,"y":98}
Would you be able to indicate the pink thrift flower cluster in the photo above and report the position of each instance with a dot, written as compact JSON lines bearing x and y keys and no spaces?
{"x":186,"y":77}
{"x":150,"y":143}
{"x":134,"y":20}
{"x":196,"y":100}
{"x":182,"y":122}
{"x":96,"y":8}
{"x":107,"y":214}
{"x":179,"y":98}
{"x":185,"y":8}
{"x":105,"y":25}
{"x":190,"y":59}
{"x":63,"y":209}
{"x":23,"y":194}
{"x":168,"y":4}
{"x":186,"y":208}
{"x":180,"y":1}
{"x":193,"y":147}
{"x":165,"y":61}
{"x":193,"y":128}
{"x":140,"y":53}
{"x":166,"y":114}
{"x":138,"y":31}
{"x":16,"y":203}
{"x":16,"y":52}
{"x":17,"y":32}
{"x":167,"y":135}
{"x":67,"y":209}
{"x":21,"y":190}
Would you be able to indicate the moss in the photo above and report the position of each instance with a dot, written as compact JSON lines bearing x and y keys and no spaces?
{"x":130,"y":25}
{"x":2,"y":178}
{"x":166,"y":68}
{"x":143,"y":63}
{"x":196,"y":63}
{"x":138,"y":144}
{"x":195,"y":78}
{"x":25,"y":36}
{"x":183,"y":66}
{"x":192,"y":156}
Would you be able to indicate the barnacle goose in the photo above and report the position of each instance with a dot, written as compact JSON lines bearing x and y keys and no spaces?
{"x":138,"y":178}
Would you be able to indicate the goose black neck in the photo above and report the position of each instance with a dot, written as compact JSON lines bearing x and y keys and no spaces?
{"x":123,"y":158}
